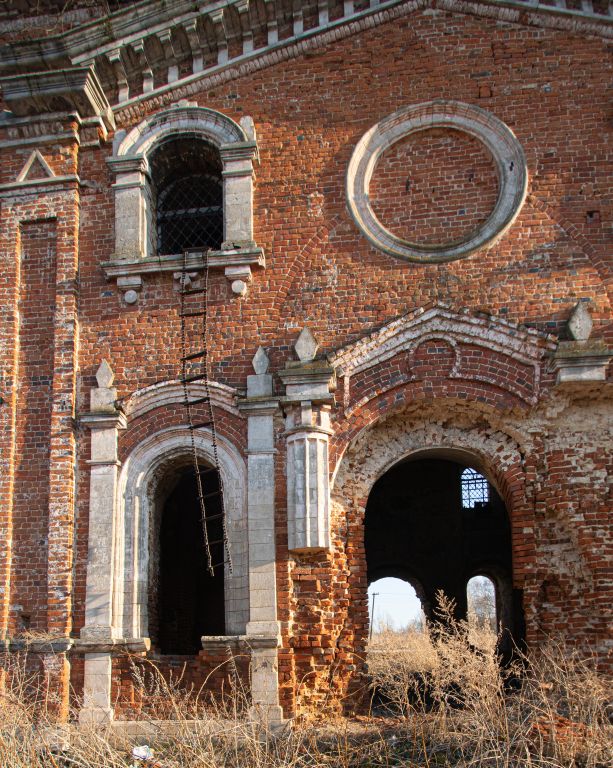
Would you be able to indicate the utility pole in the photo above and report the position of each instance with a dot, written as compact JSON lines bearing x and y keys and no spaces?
{"x":372,"y":615}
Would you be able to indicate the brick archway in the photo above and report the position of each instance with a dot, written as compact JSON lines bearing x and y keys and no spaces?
{"x":460,"y":436}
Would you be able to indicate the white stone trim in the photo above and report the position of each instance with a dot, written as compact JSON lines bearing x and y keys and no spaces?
{"x":525,"y":345}
{"x":171,"y":392}
{"x":498,"y":139}
{"x":200,"y":121}
{"x":134,"y":212}
{"x":308,"y":493}
{"x":138,"y":482}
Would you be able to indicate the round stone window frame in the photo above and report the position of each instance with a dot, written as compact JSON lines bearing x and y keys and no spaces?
{"x":496,"y":136}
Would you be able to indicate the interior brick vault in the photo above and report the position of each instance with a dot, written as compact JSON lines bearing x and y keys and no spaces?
{"x":399,"y":216}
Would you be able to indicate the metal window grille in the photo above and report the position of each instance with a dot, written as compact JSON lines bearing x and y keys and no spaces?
{"x":475,"y":489}
{"x":190,"y":214}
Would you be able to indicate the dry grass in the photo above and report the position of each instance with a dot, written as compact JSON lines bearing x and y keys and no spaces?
{"x":446,"y":704}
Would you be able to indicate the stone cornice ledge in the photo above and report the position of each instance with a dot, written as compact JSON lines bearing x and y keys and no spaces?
{"x":236,"y":257}
{"x":314,"y":381}
{"x":73,"y":645}
{"x":581,"y":362}
{"x":511,"y":11}
{"x":38,"y":92}
{"x":242,"y":643}
{"x":113,"y":645}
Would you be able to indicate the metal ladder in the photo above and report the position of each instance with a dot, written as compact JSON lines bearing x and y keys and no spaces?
{"x":195,"y":368}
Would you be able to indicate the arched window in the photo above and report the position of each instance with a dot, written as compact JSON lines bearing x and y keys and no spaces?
{"x":475,"y":489}
{"x":393,"y":604}
{"x":482,"y":603}
{"x":187,"y":195}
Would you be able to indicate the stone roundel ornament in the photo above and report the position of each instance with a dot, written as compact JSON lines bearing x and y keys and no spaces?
{"x":497,"y":138}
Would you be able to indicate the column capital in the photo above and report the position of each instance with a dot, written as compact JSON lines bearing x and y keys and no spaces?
{"x":115,"y":420}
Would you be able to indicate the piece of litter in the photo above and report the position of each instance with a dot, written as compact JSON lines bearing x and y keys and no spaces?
{"x":142,"y":753}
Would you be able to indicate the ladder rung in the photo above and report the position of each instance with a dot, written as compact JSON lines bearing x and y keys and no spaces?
{"x":217,"y":541}
{"x":199,"y":313}
{"x":206,"y":518}
{"x":193,"y":291}
{"x":209,"y":496}
{"x":223,"y":562}
{"x":200,"y":424}
{"x":206,"y":471}
{"x":194,"y":355}
{"x":197,"y":401}
{"x":195,"y":377}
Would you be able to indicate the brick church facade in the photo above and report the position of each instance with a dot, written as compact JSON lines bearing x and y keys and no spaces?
{"x":324,"y":256}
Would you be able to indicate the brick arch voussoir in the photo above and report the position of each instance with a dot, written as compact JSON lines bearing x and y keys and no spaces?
{"x":376,"y":439}
{"x":486,"y":402}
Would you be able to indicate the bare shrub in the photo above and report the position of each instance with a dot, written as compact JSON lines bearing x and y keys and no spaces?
{"x":556,"y":716}
{"x":449,"y":685}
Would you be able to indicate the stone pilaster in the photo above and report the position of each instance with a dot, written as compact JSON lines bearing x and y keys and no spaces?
{"x":132,"y":202}
{"x":101,"y":615}
{"x":263,"y":629}
{"x":237,"y":176}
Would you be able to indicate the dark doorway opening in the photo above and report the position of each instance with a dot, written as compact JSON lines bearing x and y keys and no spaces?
{"x":438,"y":522}
{"x":189,"y":601}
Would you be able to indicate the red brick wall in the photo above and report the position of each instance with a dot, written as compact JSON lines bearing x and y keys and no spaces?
{"x":309,"y":113}
{"x":31,"y":484}
{"x":434,"y":187}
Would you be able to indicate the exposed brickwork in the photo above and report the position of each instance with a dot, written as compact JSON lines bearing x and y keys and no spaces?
{"x":544,"y":447}
{"x":434,"y":187}
{"x":31,"y":489}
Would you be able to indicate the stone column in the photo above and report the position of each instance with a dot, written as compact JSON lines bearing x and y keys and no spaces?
{"x":263,"y":629}
{"x":308,"y":383}
{"x":308,"y":489}
{"x":101,"y":616}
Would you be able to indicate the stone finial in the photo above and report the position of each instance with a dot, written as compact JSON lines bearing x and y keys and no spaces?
{"x":306,"y":346}
{"x":580,"y":323}
{"x":105,"y":375}
{"x":260,"y":361}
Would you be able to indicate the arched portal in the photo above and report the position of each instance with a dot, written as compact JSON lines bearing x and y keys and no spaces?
{"x":438,"y":522}
{"x":186,"y":602}
{"x":157,"y":468}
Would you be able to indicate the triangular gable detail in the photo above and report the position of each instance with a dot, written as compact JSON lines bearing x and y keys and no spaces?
{"x":36,"y":160}
{"x":441,"y":321}
{"x":458,"y":329}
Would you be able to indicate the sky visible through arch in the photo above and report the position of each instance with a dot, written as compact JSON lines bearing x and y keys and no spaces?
{"x":396,"y":606}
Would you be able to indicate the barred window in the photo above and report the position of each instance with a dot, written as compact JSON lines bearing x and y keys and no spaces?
{"x":188,"y":196}
{"x":475,"y":489}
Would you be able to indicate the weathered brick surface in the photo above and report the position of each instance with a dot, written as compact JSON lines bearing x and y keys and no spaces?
{"x":434,"y":187}
{"x":31,"y":484}
{"x":546,"y":450}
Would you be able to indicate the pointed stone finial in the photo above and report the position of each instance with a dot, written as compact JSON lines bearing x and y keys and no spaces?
{"x":306,"y":346}
{"x":260,"y":361}
{"x":580,"y":323}
{"x":105,"y":375}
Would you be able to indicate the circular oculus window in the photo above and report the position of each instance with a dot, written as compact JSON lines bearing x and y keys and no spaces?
{"x":499,"y":143}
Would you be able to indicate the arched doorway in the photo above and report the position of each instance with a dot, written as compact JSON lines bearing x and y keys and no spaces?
{"x":186,"y":602}
{"x":436,"y":521}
